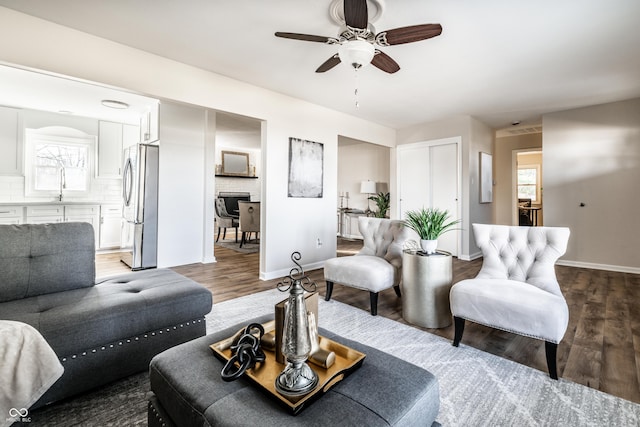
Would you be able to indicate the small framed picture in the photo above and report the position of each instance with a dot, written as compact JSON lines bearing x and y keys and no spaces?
{"x":486,"y":178}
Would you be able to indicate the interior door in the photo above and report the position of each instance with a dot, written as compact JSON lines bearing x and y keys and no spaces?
{"x":428,"y":176}
{"x":413,"y":170}
{"x":444,"y":189}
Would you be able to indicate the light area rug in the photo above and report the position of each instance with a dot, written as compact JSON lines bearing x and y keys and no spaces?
{"x":476,"y":388}
{"x":247,"y":248}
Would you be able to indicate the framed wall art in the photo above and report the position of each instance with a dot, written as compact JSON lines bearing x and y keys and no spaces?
{"x":306,"y":168}
{"x":486,"y":178}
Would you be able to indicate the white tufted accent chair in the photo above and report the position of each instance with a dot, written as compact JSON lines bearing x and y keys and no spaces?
{"x":516,"y":289}
{"x":378,"y":265}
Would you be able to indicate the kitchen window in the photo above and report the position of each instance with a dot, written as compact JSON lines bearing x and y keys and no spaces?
{"x":58,"y":165}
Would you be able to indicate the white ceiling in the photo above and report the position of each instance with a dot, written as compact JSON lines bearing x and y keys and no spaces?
{"x":39,"y":91}
{"x":497,"y":60}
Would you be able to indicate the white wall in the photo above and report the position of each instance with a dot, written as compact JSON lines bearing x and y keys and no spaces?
{"x":181,"y":204}
{"x":476,"y":137}
{"x":39,"y":44}
{"x":592,"y":155}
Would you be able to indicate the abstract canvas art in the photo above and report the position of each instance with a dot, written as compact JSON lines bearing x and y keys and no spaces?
{"x":486,"y":178}
{"x":305,"y":168}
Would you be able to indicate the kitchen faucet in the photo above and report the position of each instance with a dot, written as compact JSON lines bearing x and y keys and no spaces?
{"x":63,"y":182}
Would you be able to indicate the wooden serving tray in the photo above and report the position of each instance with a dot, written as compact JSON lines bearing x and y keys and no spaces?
{"x":264,"y":375}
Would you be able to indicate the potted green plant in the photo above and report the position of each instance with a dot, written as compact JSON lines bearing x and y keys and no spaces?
{"x":382,"y":202}
{"x":430,"y":224}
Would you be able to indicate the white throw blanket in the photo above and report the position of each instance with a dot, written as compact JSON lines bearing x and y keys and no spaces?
{"x":28,"y":367}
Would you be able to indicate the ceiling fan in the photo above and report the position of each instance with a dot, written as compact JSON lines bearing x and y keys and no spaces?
{"x":357,"y":41}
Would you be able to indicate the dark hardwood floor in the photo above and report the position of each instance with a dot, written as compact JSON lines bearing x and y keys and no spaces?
{"x":601,"y":348}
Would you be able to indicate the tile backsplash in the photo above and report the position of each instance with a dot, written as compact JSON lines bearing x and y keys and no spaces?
{"x":103,"y":190}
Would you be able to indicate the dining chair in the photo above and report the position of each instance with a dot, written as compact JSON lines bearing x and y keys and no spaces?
{"x":249,"y":220}
{"x":224,"y":220}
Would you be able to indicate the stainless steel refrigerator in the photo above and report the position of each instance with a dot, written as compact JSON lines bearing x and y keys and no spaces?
{"x":140,"y":206}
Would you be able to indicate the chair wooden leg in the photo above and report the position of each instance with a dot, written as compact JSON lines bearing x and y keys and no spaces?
{"x":327,"y":295}
{"x":551,"y":350}
{"x":373,"y":297}
{"x":236,"y":234}
{"x":218,"y":236}
{"x":458,"y":324}
{"x":224,"y":233}
{"x":243,"y":238}
{"x":397,"y":289}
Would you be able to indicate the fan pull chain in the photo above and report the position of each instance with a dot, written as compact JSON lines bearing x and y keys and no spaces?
{"x":355,"y":92}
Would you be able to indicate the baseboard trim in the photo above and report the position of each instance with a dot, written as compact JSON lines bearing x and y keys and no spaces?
{"x":470,"y":257}
{"x":595,"y":266}
{"x":285,"y":272}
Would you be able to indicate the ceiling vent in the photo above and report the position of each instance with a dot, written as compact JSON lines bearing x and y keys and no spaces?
{"x":528,"y":129}
{"x":519,"y":130}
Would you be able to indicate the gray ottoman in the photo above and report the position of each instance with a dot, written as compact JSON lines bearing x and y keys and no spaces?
{"x":384,"y":391}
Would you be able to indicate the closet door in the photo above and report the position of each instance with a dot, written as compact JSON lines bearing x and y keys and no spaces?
{"x":413,"y":173}
{"x":429,"y":177}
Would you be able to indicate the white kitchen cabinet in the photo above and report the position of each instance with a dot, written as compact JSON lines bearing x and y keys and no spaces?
{"x":113,"y":138}
{"x":109,"y":150}
{"x":130,"y":135}
{"x":150,"y":125}
{"x":42,"y":214}
{"x":84,"y":213}
{"x":11,"y":214}
{"x":10,"y":145}
{"x":110,"y":226}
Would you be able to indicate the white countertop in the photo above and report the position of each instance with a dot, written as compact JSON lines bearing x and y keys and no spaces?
{"x":63,"y":202}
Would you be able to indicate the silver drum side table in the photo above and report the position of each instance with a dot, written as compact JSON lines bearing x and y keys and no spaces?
{"x":426,"y":281}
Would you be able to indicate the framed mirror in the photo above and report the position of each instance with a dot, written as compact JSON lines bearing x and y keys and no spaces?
{"x":235,"y":163}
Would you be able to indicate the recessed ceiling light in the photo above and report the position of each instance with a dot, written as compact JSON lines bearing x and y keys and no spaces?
{"x":111,"y":103}
{"x":65,"y":112}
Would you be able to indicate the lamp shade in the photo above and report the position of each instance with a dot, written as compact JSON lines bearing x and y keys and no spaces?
{"x":368,"y":187}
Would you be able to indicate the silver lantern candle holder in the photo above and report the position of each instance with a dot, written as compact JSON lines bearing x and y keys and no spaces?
{"x":297,"y":378}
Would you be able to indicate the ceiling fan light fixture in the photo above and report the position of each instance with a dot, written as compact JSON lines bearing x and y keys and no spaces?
{"x":357,"y":53}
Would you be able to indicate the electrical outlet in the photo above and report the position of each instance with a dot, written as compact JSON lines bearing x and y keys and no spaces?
{"x":318,"y":243}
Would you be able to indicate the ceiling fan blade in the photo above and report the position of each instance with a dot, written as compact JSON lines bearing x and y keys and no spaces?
{"x":384,"y":62}
{"x":355,"y":13}
{"x":410,"y":34}
{"x":306,"y":37}
{"x":329,"y":64}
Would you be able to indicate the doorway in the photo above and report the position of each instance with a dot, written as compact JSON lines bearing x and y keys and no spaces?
{"x":527,"y":188}
{"x":429,"y":177}
{"x":356,"y":184}
{"x":239,"y":139}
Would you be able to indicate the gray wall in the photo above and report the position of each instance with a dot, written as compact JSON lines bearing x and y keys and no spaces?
{"x":591,"y":155}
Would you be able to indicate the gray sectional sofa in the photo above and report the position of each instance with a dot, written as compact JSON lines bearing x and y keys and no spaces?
{"x":100,"y":331}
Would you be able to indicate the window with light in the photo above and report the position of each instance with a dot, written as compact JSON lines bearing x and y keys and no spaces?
{"x":55,"y":164}
{"x":528,"y":183}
